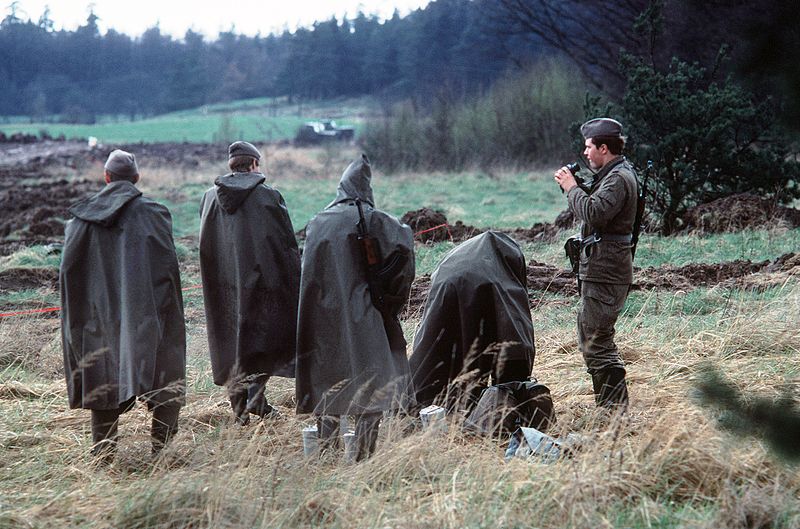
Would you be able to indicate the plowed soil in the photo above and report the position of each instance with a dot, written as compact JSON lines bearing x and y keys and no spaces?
{"x":38,"y":184}
{"x":36,"y":211}
{"x":543,"y":277}
{"x":737,"y":212}
{"x":186,"y":155}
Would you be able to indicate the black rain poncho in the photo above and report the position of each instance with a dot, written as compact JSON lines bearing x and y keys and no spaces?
{"x":250,"y":267}
{"x":122,"y":323}
{"x":478,"y":297}
{"x":351,"y":357}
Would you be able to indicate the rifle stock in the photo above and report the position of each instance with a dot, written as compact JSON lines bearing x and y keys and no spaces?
{"x":372,"y":258}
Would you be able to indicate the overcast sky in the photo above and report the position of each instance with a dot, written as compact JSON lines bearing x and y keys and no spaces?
{"x":208,"y":17}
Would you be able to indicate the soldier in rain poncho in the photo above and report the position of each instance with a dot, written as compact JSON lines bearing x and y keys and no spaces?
{"x":351,"y":354}
{"x":122,"y":320}
{"x":250,"y":267}
{"x":478,"y":298}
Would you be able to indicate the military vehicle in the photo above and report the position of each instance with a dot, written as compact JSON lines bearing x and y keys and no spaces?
{"x":315,"y":132}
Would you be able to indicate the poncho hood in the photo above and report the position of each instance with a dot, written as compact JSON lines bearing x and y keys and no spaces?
{"x":496,"y":251}
{"x":355,"y":183}
{"x":234,"y":188}
{"x":105,"y":207}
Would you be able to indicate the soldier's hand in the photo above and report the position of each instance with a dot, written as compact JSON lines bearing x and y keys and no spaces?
{"x":565,"y":179}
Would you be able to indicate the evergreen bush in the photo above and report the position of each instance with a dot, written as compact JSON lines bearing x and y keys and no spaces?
{"x":708,"y":139}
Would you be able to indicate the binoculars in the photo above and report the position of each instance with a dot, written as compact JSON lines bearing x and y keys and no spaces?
{"x":573,"y":168}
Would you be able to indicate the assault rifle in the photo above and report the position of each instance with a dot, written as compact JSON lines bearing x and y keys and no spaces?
{"x":372,"y":258}
{"x":640,"y":203}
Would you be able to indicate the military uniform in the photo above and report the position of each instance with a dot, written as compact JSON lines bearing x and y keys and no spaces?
{"x":607,"y":211}
{"x":250,"y":266}
{"x":122,"y":324}
{"x":351,"y":355}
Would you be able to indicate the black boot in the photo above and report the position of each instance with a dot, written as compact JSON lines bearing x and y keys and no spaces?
{"x":256,"y":400}
{"x":164,"y":425}
{"x":367,"y":434}
{"x":610,"y":388}
{"x":328,"y":432}
{"x":237,"y":393}
{"x":104,"y":435}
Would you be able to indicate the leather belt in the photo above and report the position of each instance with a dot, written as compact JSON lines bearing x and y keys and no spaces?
{"x":616,"y":237}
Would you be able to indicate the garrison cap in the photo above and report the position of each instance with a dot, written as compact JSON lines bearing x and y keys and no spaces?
{"x":243,"y":148}
{"x":601,"y":127}
{"x":122,"y":164}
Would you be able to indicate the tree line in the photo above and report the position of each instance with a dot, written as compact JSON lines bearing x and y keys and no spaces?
{"x":460,"y":47}
{"x":79,"y":74}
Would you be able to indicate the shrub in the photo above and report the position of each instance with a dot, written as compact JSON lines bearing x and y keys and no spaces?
{"x":708,"y":139}
{"x":522,"y":119}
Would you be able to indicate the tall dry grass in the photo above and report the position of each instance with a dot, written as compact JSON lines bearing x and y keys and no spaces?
{"x":665,"y":465}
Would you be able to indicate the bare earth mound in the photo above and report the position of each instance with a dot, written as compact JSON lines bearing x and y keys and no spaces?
{"x":427,"y":225}
{"x":431,"y":225}
{"x":694,"y":275}
{"x":738,"y":212}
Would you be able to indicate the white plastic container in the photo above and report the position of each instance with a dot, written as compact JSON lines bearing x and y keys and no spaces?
{"x":350,"y":446}
{"x":432,"y":417}
{"x":344,"y":424}
{"x":310,"y":441}
{"x":530,"y":443}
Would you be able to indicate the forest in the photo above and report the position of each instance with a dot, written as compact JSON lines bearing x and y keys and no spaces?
{"x":452,"y":47}
{"x":79,"y":74}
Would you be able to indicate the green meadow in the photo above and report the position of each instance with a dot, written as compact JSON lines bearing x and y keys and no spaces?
{"x":255,"y":120}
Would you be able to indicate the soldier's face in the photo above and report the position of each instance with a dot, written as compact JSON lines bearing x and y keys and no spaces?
{"x":594,"y":155}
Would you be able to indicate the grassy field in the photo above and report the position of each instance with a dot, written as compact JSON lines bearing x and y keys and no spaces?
{"x":666,"y":466}
{"x":254,"y":120}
